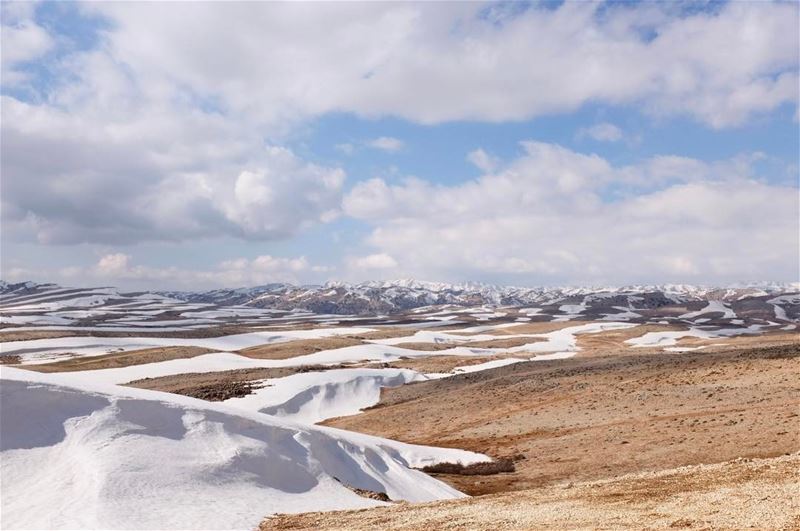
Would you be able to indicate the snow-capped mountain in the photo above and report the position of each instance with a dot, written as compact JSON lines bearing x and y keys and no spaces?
{"x":391,"y":297}
{"x":406,"y":294}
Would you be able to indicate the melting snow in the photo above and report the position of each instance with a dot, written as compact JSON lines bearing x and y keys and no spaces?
{"x":107,"y":457}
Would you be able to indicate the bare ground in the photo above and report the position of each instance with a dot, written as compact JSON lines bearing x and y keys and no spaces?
{"x":300,"y":347}
{"x":119,"y":359}
{"x":221,"y":385}
{"x":739,"y":494}
{"x":429,"y":364}
{"x":593,"y":418}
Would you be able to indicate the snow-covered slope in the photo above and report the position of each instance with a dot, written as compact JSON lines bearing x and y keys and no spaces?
{"x":25,"y":303}
{"x":405,"y":294}
{"x":93,"y":456}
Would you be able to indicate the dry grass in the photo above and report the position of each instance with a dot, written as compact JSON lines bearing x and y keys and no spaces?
{"x":542,"y":327}
{"x":741,"y":494}
{"x":303,"y":347}
{"x":498,"y":466}
{"x":592,"y":418}
{"x":429,"y":364}
{"x":300,"y":347}
{"x":119,"y":359}
{"x":223,"y":384}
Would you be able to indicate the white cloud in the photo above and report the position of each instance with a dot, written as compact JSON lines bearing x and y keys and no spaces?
{"x":286,"y":62}
{"x":554,"y":215}
{"x":21,"y":39}
{"x":119,"y":270}
{"x":115,"y":174}
{"x":373,"y":261}
{"x":113,"y":265}
{"x":602,"y":132}
{"x":386,"y":143}
{"x":159,"y":133}
{"x":482,"y":160}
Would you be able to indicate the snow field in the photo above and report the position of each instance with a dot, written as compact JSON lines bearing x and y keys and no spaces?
{"x":96,"y":456}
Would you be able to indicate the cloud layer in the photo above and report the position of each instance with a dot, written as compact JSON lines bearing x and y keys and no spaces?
{"x":562,"y":216}
{"x":174,"y":125}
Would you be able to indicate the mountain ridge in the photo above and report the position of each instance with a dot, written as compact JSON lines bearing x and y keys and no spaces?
{"x":381,"y":297}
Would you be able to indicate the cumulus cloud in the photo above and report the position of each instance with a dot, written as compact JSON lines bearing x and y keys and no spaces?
{"x":120,"y":269}
{"x":115,"y":264}
{"x":373,"y":261}
{"x":482,"y":160}
{"x":602,"y":132}
{"x":386,"y":143}
{"x":415,"y":60}
{"x":22,"y":40}
{"x":116,"y":175}
{"x":556,"y":215}
{"x":159,"y":133}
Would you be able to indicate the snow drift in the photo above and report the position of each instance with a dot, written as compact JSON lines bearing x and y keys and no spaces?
{"x":316,"y":396}
{"x":82,"y":455}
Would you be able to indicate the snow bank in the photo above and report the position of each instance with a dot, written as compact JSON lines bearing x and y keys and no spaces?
{"x":711,"y":307}
{"x":316,"y":396}
{"x":92,"y":346}
{"x":485,"y":366}
{"x":665,"y":339}
{"x":85,"y":456}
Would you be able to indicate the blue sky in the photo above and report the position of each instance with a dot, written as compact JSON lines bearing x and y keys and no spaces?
{"x":204,"y":145}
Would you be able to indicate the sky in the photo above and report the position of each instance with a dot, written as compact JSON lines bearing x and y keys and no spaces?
{"x":225,"y":144}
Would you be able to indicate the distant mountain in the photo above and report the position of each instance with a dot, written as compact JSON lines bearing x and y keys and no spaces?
{"x":405,"y":295}
{"x":402,"y":295}
{"x":410,"y":301}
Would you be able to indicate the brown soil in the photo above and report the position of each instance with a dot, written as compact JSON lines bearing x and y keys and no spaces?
{"x":613,"y":341}
{"x":542,"y":327}
{"x":502,"y":343}
{"x":276,"y":351}
{"x":366,"y":493}
{"x":492,"y":343}
{"x":740,"y":494}
{"x":439,"y":363}
{"x":300,"y":347}
{"x":119,"y":359}
{"x":11,"y":359}
{"x":593,"y":418}
{"x":221,"y":385}
{"x":25,"y":335}
{"x":195,"y":333}
{"x":488,"y":468}
{"x":303,"y":347}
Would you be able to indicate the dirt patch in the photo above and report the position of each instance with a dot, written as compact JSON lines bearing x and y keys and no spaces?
{"x":366,"y":493}
{"x":303,"y":347}
{"x":498,"y":466}
{"x":492,"y":343}
{"x":440,"y":364}
{"x":8,"y":334}
{"x":300,"y":347}
{"x":10,"y":359}
{"x":221,"y":385}
{"x":612,"y":342}
{"x":543,"y":327}
{"x":599,"y":417}
{"x":119,"y":359}
{"x":221,"y":391}
{"x":503,"y":343}
{"x":756,"y":494}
